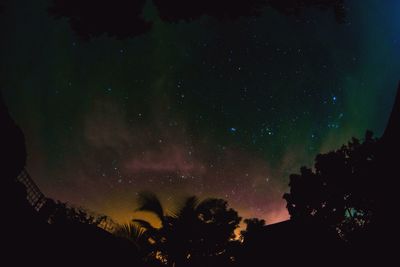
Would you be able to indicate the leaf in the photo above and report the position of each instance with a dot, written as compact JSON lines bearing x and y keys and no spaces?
{"x":149,"y":202}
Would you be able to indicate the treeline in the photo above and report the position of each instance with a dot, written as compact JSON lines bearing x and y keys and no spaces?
{"x":126,"y":18}
{"x":335,"y":202}
{"x":332,"y":206}
{"x":341,"y":214}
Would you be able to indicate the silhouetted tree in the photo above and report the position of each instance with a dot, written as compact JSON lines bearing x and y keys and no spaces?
{"x":92,"y":18}
{"x":123,"y":18}
{"x":340,"y":192}
{"x":253,"y":226}
{"x":295,"y":7}
{"x":63,"y":213}
{"x":139,"y":237}
{"x":130,"y":231}
{"x":197,"y":234}
{"x":175,"y":10}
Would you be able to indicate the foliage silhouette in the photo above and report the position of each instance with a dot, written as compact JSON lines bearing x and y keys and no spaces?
{"x":130,"y":231}
{"x":253,"y":226}
{"x":124,"y":18}
{"x":198,"y":233}
{"x":346,"y":193}
{"x":92,"y":18}
{"x":341,"y":191}
{"x":62,"y":213}
{"x":176,"y":10}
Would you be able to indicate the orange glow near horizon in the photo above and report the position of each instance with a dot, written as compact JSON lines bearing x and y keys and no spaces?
{"x":276,"y":216}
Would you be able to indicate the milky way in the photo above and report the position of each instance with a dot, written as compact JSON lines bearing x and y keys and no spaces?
{"x":210,"y":108}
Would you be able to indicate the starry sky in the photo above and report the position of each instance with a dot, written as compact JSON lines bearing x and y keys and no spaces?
{"x":212,"y":108}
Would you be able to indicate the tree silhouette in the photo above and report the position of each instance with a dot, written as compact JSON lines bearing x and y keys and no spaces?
{"x":130,"y":231}
{"x":124,"y":18}
{"x":176,"y":10}
{"x":198,"y":233}
{"x":253,"y":227}
{"x":340,"y":192}
{"x":92,"y":18}
{"x":139,"y":237}
{"x":63,"y":213}
{"x":295,"y":7}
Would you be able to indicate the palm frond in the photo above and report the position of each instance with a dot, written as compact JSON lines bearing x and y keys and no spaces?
{"x":188,"y":207}
{"x":151,"y":203}
{"x":129,"y":231}
{"x":144,"y":225}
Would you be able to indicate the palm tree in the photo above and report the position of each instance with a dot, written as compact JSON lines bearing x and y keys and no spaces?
{"x":136,"y":232}
{"x":130,"y":231}
{"x":196,"y":232}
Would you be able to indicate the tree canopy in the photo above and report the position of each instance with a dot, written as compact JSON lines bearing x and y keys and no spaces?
{"x":197,"y":232}
{"x":124,"y":18}
{"x":340,"y":191}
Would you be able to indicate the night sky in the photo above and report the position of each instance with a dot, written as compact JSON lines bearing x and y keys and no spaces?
{"x":212,"y":108}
